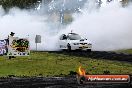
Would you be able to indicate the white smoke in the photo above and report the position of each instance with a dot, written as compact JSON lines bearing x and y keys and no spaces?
{"x":27,"y":24}
{"x":108,"y":28}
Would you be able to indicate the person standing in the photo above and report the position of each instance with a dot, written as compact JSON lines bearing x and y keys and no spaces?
{"x":9,"y":42}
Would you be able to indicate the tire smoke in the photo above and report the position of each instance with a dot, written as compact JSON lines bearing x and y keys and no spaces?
{"x":108,"y":27}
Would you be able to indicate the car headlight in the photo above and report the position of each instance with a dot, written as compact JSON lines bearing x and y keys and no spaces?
{"x":76,"y":43}
{"x":89,"y":44}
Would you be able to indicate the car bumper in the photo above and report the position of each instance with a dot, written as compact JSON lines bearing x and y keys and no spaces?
{"x":82,"y":47}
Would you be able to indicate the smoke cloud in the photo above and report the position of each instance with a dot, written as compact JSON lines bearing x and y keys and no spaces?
{"x":108,"y":27}
{"x":27,"y":24}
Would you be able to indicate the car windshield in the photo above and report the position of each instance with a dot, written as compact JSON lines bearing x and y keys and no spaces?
{"x":74,"y":36}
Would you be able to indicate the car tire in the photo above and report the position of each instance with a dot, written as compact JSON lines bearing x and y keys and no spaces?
{"x":68,"y":47}
{"x":88,"y":50}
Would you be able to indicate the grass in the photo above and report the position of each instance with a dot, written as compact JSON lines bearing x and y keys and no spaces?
{"x":53,"y":64}
{"x":127,"y":51}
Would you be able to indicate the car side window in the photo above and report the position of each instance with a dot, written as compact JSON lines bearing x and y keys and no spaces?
{"x":63,"y":37}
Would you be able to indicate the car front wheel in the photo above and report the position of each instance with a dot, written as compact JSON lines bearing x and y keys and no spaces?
{"x":68,"y":47}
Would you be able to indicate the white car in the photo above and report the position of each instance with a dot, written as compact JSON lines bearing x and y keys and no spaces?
{"x":73,"y":41}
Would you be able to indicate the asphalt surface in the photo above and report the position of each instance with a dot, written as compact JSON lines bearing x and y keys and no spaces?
{"x":53,"y":82}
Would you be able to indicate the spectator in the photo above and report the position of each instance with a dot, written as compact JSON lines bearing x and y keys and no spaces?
{"x":8,"y":42}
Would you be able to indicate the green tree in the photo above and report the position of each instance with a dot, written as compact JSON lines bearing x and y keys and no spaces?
{"x":23,"y":4}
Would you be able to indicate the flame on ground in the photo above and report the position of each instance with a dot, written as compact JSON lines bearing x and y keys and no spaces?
{"x":81,"y":71}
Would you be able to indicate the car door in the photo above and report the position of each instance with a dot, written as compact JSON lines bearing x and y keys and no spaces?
{"x":63,"y":42}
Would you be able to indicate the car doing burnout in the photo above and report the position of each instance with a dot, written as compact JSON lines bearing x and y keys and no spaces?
{"x":73,"y":41}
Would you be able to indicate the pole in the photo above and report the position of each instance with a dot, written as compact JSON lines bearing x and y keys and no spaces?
{"x":36,"y":46}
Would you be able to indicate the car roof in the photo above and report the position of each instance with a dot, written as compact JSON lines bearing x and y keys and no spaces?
{"x":73,"y":33}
